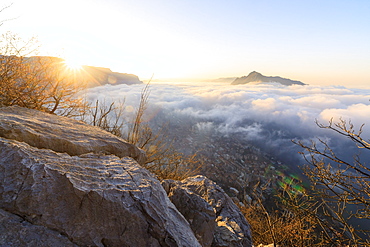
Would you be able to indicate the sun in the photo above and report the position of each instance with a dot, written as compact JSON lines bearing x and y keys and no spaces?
{"x":72,"y":64}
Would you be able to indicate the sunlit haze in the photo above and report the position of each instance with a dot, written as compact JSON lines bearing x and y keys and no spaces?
{"x":72,"y":65}
{"x":316,"y":42}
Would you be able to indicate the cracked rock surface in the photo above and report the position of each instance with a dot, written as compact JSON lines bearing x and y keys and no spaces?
{"x":53,"y":192}
{"x":61,"y":134}
{"x":15,"y":232}
{"x":213,"y":216}
{"x":93,"y":200}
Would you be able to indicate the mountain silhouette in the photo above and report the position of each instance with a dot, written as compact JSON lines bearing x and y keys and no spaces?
{"x":255,"y":77}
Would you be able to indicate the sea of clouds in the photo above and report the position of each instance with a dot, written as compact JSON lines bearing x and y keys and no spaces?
{"x":270,"y":115}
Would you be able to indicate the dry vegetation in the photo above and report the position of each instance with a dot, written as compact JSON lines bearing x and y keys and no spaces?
{"x":37,"y":82}
{"x":296,"y":219}
{"x":328,"y":213}
{"x":342,"y":185}
{"x":162,"y":157}
{"x":45,"y":84}
{"x":318,"y":217}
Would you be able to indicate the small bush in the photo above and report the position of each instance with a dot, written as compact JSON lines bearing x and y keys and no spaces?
{"x":41,"y":83}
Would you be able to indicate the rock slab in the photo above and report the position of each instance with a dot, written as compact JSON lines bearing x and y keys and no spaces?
{"x":61,"y":134}
{"x":213,"y":216}
{"x":15,"y":232}
{"x":94,"y":200}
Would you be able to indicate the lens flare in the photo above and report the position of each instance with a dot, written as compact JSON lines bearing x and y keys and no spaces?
{"x":291,"y":182}
{"x":72,"y":64}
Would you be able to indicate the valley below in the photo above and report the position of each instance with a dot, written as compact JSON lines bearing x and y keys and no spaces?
{"x":244,"y":133}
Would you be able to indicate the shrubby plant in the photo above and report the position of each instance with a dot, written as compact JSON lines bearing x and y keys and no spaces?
{"x":41,"y":83}
{"x":320,"y":216}
{"x":343,"y":186}
{"x":328,"y":213}
{"x":290,"y":221}
{"x":162,"y":157}
{"x":46,"y":84}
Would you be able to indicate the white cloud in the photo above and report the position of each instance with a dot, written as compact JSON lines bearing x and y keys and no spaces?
{"x":275,"y":113}
{"x":358,"y":114}
{"x":265,"y":105}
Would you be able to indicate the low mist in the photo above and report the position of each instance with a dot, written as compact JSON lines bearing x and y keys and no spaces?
{"x":267,"y":115}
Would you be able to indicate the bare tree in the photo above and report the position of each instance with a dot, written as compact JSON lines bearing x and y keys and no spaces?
{"x":3,"y":9}
{"x":342,"y":185}
{"x":162,"y":157}
{"x":42,"y":83}
{"x":108,"y":117}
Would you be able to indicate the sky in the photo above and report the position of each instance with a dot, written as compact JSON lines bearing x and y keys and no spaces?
{"x":317,"y":42}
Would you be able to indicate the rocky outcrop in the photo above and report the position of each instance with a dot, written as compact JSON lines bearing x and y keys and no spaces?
{"x":255,"y":77}
{"x":64,"y":183}
{"x":62,"y":134}
{"x":94,"y":200}
{"x":195,"y":209}
{"x":214,"y":218}
{"x":15,"y":232}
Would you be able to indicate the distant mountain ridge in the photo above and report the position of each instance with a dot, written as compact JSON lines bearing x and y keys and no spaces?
{"x":101,"y":76}
{"x":91,"y":75}
{"x":259,"y":78}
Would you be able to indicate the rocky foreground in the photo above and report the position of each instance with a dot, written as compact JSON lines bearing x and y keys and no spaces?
{"x":65,"y":183}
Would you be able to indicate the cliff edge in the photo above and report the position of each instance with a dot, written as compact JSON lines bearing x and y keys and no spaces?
{"x":65,"y":183}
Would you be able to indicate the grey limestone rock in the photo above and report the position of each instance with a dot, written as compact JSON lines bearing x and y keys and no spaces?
{"x":195,"y":209}
{"x":16,"y":232}
{"x":196,"y":198}
{"x":92,"y":199}
{"x":62,"y":134}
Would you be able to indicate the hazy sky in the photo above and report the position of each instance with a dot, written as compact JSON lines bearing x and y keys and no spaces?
{"x":317,"y":42}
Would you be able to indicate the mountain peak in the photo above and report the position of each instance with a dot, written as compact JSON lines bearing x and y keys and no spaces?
{"x":254,"y":73}
{"x":257,"y":77}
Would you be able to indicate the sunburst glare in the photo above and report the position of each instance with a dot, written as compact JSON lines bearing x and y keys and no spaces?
{"x":72,"y":64}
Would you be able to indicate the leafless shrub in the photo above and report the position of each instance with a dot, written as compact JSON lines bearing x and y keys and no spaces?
{"x":343,"y":186}
{"x":41,"y":83}
{"x":162,"y":157}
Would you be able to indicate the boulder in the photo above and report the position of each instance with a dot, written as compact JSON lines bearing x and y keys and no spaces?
{"x":62,"y":134}
{"x":196,"y":198}
{"x":195,"y":209}
{"x":92,"y":199}
{"x":15,"y":232}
